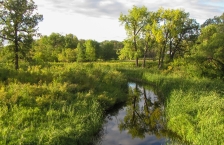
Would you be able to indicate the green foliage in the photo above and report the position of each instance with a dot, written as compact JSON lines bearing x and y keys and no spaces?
{"x":108,"y":51}
{"x":216,"y":20}
{"x":134,"y":22}
{"x":43,"y":51}
{"x":90,"y":50}
{"x":67,"y":55}
{"x":18,"y":24}
{"x":6,"y":53}
{"x":194,"y":106}
{"x":142,"y":118}
{"x":127,"y":52}
{"x":170,"y":31}
{"x":71,"y":41}
{"x":56,"y":40}
{"x":80,"y":52}
{"x":57,"y":103}
{"x":174,"y":33}
{"x":209,"y":52}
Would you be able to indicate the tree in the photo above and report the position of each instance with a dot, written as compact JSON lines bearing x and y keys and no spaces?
{"x":67,"y":55}
{"x":90,"y":50}
{"x":46,"y":49}
{"x":80,"y":52}
{"x":184,"y":34}
{"x":210,"y":50}
{"x":148,"y":36}
{"x":56,"y":41}
{"x":71,"y":41}
{"x":216,"y":20}
{"x":134,"y":21}
{"x":18,"y":23}
{"x":127,"y":51}
{"x":173,"y":31}
{"x":107,"y":50}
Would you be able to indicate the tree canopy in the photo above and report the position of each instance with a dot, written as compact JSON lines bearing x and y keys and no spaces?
{"x":18,"y":22}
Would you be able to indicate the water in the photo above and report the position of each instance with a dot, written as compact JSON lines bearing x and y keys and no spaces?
{"x":139,"y":122}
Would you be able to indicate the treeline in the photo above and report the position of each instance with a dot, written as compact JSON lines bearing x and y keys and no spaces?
{"x":174,"y":38}
{"x":168,"y":36}
{"x":64,"y":48}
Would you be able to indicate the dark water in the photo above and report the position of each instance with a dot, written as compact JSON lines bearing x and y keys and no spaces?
{"x":139,"y":122}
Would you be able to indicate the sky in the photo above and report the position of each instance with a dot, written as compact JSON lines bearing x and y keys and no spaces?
{"x":98,"y":19}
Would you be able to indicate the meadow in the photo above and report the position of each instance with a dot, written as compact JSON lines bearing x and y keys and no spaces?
{"x":65,"y":103}
{"x":57,"y":103}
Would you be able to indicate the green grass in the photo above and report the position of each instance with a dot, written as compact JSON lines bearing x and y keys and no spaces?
{"x":194,"y":105}
{"x":58,"y":103}
{"x":64,"y":103}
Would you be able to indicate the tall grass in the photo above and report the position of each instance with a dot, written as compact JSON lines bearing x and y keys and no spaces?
{"x":65,"y":103}
{"x":194,"y":105}
{"x":197,"y":117}
{"x":57,"y":103}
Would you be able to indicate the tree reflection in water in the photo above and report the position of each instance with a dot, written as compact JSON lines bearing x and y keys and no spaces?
{"x":142,"y":119}
{"x":145,"y":115}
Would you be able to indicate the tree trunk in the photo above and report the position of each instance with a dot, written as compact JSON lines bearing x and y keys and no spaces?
{"x":171,"y":51}
{"x":136,"y":61}
{"x":16,"y":56}
{"x":172,"y":55}
{"x":136,"y":48}
{"x":163,"y":55}
{"x":144,"y":59}
{"x":143,"y":65}
{"x":160,"y":53}
{"x":16,"y":50}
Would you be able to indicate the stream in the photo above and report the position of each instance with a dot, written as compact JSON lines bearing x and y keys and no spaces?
{"x":139,"y":122}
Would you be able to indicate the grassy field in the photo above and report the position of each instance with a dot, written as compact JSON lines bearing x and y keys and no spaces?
{"x":57,"y":103}
{"x":65,"y":103}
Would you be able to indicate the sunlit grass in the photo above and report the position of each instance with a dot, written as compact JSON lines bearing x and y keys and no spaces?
{"x":57,"y":103}
{"x":194,"y":105}
{"x":64,"y":103}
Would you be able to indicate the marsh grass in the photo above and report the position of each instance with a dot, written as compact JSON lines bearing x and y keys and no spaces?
{"x":64,"y":103}
{"x":57,"y":103}
{"x":194,"y":105}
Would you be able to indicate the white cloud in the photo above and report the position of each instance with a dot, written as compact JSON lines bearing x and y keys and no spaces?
{"x":98,"y":19}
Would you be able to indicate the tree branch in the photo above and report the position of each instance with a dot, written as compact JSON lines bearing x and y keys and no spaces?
{"x":6,"y":38}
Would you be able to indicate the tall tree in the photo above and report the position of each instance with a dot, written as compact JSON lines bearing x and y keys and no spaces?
{"x":183,"y":35}
{"x":57,"y":41}
{"x":127,"y":52}
{"x":18,"y":23}
{"x":71,"y":41}
{"x":90,"y":50}
{"x":134,"y":21}
{"x":47,"y":48}
{"x":80,"y":52}
{"x":107,"y":50}
{"x":147,"y":35}
{"x":174,"y":29}
{"x":210,"y":50}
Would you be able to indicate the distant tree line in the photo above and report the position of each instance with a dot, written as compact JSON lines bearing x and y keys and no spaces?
{"x":64,"y":48}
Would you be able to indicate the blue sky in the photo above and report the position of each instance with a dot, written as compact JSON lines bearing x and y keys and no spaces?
{"x":98,"y":19}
